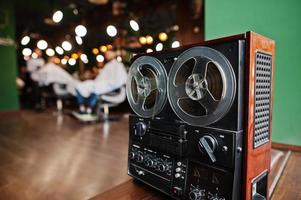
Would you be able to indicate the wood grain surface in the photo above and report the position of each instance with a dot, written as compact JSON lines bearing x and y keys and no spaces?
{"x":45,"y":156}
{"x":256,"y":161}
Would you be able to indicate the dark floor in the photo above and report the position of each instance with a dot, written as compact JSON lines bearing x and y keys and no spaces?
{"x":43,"y":156}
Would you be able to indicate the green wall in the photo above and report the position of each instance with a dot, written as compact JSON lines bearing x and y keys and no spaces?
{"x":280,"y":20}
{"x":8,"y":65}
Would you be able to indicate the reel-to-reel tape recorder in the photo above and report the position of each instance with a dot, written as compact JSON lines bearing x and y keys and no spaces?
{"x":202,"y":119}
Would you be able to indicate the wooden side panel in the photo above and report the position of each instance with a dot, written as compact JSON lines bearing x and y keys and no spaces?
{"x":256,"y":160}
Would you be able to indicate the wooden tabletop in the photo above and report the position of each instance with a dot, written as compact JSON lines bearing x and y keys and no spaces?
{"x":135,"y":190}
{"x":131,"y":190}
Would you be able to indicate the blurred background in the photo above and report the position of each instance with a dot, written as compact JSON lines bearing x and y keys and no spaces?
{"x":78,"y":34}
{"x":75,"y":36}
{"x":92,"y":27}
{"x":136,"y":26}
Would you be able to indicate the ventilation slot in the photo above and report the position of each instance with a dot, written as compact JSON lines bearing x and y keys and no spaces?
{"x":262,"y":99}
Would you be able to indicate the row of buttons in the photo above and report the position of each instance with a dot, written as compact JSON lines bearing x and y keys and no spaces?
{"x":151,"y":161}
{"x":180,"y":170}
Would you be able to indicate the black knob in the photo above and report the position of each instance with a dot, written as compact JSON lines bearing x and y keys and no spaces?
{"x":161,"y":167}
{"x":140,"y":129}
{"x":132,"y":155}
{"x":197,"y":194}
{"x":207,"y":144}
{"x":139,"y":157}
{"x":149,"y":162}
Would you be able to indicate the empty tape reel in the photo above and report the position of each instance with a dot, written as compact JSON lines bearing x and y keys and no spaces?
{"x":201,"y":86}
{"x":146,"y":86}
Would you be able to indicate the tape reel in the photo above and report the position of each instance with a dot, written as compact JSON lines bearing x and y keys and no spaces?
{"x":201,"y":86}
{"x":146,"y":86}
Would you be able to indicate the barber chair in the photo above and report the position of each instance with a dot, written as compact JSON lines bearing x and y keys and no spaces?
{"x":105,"y":102}
{"x":109,"y":100}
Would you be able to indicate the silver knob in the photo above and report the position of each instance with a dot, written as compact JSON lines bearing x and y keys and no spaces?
{"x":207,"y":144}
{"x":162,"y":167}
{"x":139,"y":157}
{"x":197,"y":194}
{"x":149,"y":162}
{"x":140,"y":129}
{"x":177,"y":175}
{"x":132,"y":155}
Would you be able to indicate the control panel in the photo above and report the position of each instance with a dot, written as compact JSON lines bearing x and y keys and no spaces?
{"x":185,"y":162}
{"x":151,"y":160}
{"x":197,"y":193}
{"x":180,"y":170}
{"x":208,"y":183}
{"x":215,"y":147}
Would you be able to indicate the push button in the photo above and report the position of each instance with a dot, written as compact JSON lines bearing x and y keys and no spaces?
{"x":177,"y":175}
{"x":177,"y":191}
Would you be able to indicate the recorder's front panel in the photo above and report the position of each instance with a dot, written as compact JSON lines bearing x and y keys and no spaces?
{"x":201,"y":116}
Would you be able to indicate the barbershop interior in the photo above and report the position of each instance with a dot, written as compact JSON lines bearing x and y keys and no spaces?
{"x":150,"y":100}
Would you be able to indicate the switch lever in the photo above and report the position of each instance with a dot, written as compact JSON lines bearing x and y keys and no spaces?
{"x":203,"y":142}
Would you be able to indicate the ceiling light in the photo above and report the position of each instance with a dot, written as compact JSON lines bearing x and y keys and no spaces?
{"x":142,"y":40}
{"x":59,"y":50}
{"x":57,"y":16}
{"x":72,"y":61}
{"x":196,"y":29}
{"x":103,"y":48}
{"x":42,"y":44}
{"x":75,"y":11}
{"x":95,"y":51}
{"x":26,"y":52}
{"x":109,"y":46}
{"x":34,"y":55}
{"x":149,"y":50}
{"x":99,"y":2}
{"x":78,"y":40}
{"x":50,"y":52}
{"x":25,"y":40}
{"x":149,"y":39}
{"x":175,"y":44}
{"x":74,"y":55}
{"x":111,"y":31}
{"x":81,"y":30}
{"x":83,"y":57}
{"x":175,"y":27}
{"x":100,"y":58}
{"x":134,"y":25}
{"x":64,"y":61}
{"x":159,"y":47}
{"x":163,"y":36}
{"x":66,"y":46}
